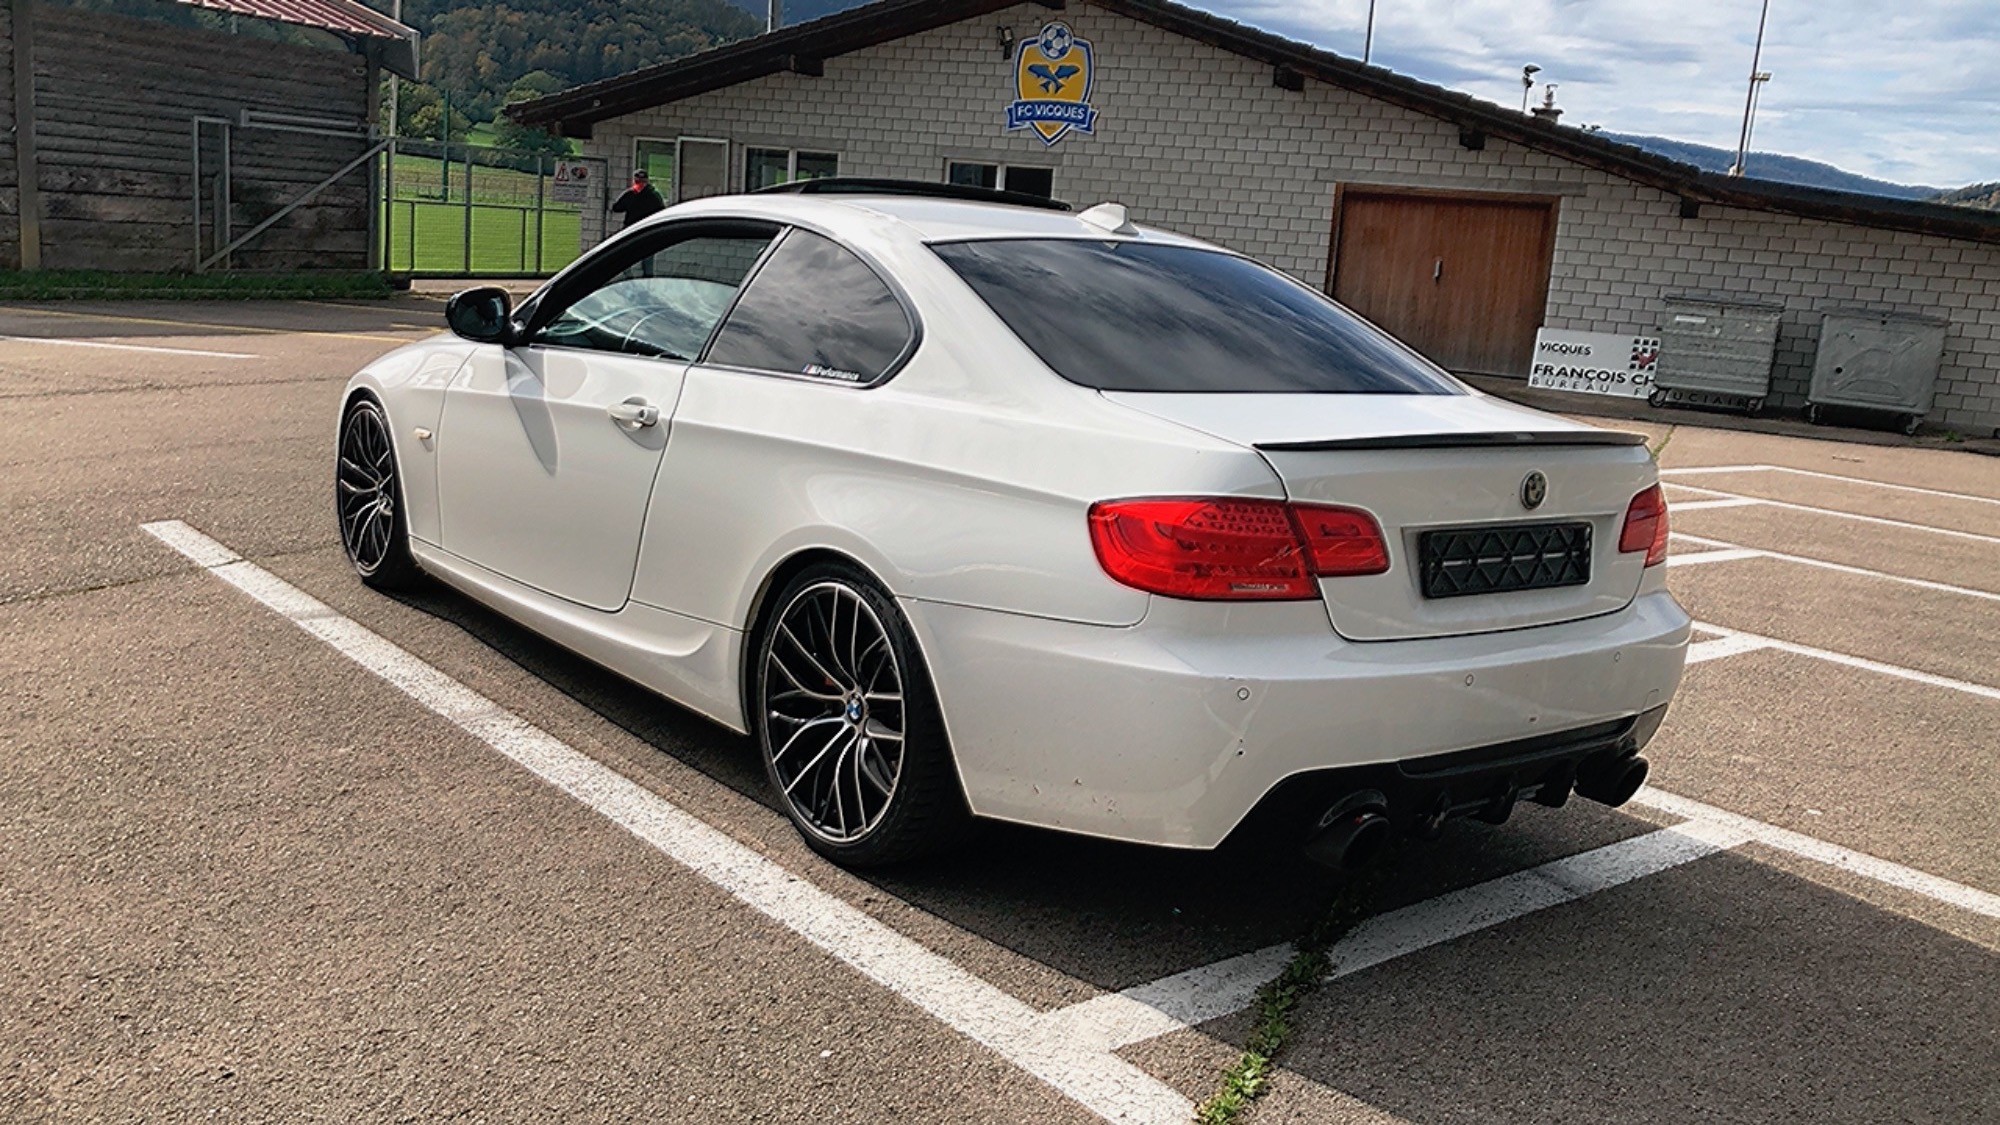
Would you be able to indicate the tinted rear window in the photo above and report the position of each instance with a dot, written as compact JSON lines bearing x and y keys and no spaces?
{"x":1130,"y":316}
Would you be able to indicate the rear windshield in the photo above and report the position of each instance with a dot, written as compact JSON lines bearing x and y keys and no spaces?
{"x":1131,"y":316}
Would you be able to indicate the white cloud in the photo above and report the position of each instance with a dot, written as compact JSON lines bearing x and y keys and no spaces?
{"x":1908,"y":93}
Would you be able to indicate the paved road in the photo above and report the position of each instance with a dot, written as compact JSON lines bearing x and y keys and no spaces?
{"x":246,"y":877}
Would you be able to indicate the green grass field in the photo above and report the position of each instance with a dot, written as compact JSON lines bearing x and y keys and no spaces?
{"x":430,"y":238}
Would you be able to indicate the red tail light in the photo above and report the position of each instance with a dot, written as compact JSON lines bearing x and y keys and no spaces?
{"x":1217,"y":549}
{"x":1646,"y":526}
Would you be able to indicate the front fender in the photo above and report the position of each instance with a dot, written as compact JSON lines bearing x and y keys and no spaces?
{"x":410,"y":384}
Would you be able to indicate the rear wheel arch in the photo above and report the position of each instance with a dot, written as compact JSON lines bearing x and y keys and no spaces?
{"x":762,"y":606}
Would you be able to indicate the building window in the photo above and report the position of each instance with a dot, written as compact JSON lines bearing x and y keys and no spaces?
{"x":766,"y":167}
{"x":655,"y":157}
{"x":1026,"y":179}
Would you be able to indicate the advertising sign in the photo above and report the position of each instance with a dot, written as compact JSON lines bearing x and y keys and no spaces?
{"x":1596,"y":363}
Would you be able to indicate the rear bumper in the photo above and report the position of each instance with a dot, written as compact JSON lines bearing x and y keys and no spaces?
{"x":1173,"y":730}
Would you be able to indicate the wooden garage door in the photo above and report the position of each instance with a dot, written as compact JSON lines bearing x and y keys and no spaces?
{"x":1462,"y":278}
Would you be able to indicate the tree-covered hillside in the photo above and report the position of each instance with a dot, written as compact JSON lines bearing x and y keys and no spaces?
{"x":477,"y":52}
{"x":1986,"y":196}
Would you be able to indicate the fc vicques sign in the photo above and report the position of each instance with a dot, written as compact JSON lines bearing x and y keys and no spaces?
{"x":1053,"y":76}
{"x":1597,"y":363}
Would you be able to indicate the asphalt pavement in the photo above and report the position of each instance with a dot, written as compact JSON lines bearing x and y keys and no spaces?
{"x":277,"y":847}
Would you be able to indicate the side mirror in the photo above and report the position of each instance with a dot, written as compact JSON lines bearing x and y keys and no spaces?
{"x":484,"y":315}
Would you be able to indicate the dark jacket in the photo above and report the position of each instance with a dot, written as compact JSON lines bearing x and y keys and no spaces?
{"x":638,"y":202}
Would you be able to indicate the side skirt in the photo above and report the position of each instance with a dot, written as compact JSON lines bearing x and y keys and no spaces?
{"x":693,"y":663}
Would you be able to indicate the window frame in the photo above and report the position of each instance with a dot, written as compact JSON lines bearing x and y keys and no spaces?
{"x":673,"y":144}
{"x":595,"y":271}
{"x":791,"y":152}
{"x":1000,"y":168}
{"x":874,"y":266}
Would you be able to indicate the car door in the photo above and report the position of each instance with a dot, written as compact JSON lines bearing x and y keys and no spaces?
{"x":547,"y":451}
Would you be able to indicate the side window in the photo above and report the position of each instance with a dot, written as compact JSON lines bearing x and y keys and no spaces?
{"x":664,"y":304}
{"x":815,"y":309}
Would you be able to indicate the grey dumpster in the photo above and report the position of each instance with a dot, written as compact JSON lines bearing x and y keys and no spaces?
{"x":1877,"y":360}
{"x":1716,"y":351}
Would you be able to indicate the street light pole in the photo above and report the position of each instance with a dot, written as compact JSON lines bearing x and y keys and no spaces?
{"x":1368,"y":42}
{"x":1750,"y":96}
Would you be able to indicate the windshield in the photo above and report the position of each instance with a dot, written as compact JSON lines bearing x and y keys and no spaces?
{"x":1134,"y":316}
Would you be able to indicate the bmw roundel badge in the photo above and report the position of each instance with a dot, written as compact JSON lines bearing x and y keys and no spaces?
{"x":1534,"y":490}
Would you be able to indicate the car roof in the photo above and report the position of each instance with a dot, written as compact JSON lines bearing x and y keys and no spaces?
{"x":857,"y":215}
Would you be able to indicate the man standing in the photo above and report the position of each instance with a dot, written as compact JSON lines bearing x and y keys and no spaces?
{"x":640,"y":201}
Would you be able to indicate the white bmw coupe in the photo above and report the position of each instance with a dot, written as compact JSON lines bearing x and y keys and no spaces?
{"x":966,"y":508}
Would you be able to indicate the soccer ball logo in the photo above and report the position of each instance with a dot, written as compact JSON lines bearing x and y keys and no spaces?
{"x":1055,"y":41}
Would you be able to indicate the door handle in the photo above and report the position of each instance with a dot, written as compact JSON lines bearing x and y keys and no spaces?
{"x":634,"y":413}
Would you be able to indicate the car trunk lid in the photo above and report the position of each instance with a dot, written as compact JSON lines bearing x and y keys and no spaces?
{"x":1496,"y":517}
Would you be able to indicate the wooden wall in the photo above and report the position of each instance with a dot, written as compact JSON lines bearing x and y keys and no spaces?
{"x":115,"y":100}
{"x":10,"y":198}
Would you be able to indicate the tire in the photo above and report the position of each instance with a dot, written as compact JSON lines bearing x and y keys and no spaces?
{"x":368,"y":501}
{"x":835,"y":655}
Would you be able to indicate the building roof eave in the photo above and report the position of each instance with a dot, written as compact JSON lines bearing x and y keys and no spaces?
{"x":887,"y":20}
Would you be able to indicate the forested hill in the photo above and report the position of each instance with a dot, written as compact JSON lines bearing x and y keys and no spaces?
{"x":1974,"y":195}
{"x":483,"y":55}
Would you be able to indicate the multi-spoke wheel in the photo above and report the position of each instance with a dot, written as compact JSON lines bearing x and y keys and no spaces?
{"x":367,"y":499}
{"x":849,"y":729}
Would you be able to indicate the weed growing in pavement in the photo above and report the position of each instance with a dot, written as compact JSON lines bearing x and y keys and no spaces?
{"x":1662,"y":447}
{"x":1249,"y":1077}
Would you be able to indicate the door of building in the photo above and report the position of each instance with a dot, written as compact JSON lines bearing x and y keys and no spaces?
{"x":1463,"y":278}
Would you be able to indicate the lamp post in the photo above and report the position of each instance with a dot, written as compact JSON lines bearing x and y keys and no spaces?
{"x":1368,"y":40}
{"x":1527,"y":83}
{"x":1757,"y":78}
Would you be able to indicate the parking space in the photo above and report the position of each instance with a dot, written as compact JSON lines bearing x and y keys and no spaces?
{"x":279,"y":847}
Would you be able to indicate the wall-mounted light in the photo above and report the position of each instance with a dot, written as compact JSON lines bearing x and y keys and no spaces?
{"x":1006,"y":35}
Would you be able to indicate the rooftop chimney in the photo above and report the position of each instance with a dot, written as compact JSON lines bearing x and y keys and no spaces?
{"x":1547,"y":111}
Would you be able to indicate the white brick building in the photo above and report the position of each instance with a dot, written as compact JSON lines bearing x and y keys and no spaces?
{"x":1330,"y":170}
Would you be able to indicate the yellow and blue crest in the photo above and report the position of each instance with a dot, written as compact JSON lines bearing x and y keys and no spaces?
{"x":1052,"y":79}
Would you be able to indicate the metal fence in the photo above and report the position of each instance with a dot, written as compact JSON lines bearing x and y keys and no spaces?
{"x":460,"y":210}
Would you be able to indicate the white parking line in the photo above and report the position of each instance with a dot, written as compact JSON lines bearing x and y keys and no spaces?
{"x":66,"y":343}
{"x":1730,"y":552}
{"x":1161,"y":1007}
{"x":1723,"y":646}
{"x":1970,"y":899}
{"x":1696,"y":505}
{"x":1170,"y":1004}
{"x":1101,"y":1082}
{"x":1830,"y":476}
{"x":1757,"y":641}
{"x":1705,"y":469}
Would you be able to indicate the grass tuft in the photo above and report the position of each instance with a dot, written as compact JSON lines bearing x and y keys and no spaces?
{"x":1249,"y":1077}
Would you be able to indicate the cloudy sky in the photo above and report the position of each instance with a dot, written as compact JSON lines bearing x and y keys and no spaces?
{"x":1904,"y":90}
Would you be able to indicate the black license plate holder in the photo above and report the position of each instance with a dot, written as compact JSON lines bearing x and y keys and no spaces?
{"x":1507,"y":558}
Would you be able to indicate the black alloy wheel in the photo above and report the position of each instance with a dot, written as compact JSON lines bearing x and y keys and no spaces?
{"x":368,"y":500}
{"x":850,"y":732}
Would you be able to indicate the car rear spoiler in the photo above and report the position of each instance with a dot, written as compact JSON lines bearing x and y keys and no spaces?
{"x":1458,"y":441}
